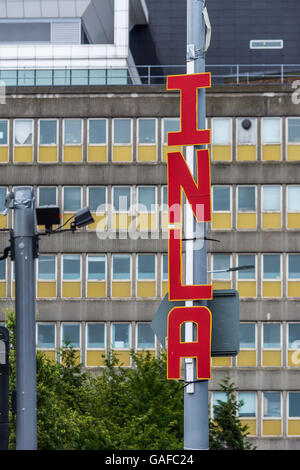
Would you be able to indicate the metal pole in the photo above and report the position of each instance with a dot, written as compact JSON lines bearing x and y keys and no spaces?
{"x":24,"y":253}
{"x":196,"y":436}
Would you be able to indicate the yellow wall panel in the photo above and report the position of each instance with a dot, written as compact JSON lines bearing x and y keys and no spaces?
{"x":293,"y":153}
{"x":247,"y":288}
{"x":246,"y":220}
{"x":96,"y":289}
{"x":146,"y":289}
{"x":221,"y":153}
{"x":121,"y":289}
{"x":77,"y":358}
{"x":47,"y":154}
{"x":271,"y":289}
{"x":221,"y":284}
{"x":146,"y":221}
{"x":272,"y":427}
{"x":123,"y":356}
{"x":97,"y":153}
{"x":3,"y":221}
{"x":46,"y":289}
{"x":2,"y":289}
{"x":95,"y":359}
{"x":251,"y":423}
{"x":164,"y":221}
{"x":221,"y":361}
{"x":51,"y":355}
{"x":3,"y":154}
{"x":71,"y":289}
{"x":66,"y":216}
{"x":271,"y":220}
{"x":13,"y":289}
{"x":246,"y":358}
{"x":294,"y":427}
{"x":293,"y":220}
{"x":146,"y":153}
{"x":144,"y":352}
{"x":271,"y":152}
{"x":121,"y":221}
{"x":100,"y":222}
{"x":23,"y":154}
{"x":271,"y":358}
{"x":171,"y":148}
{"x":72,"y":153}
{"x":294,"y":358}
{"x":246,"y":153}
{"x":221,"y":221}
{"x":122,"y":153}
{"x":164,"y":288}
{"x":293,"y":288}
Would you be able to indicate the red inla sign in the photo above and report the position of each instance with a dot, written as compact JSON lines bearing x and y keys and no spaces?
{"x":198,"y":195}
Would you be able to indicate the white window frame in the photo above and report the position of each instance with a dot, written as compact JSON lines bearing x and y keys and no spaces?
{"x":155,"y":268}
{"x":5,"y":279}
{"x":64,"y":132}
{"x":263,"y":119}
{"x":163,"y":128}
{"x":228,"y":279}
{"x":130,"y":199}
{"x":239,"y":121}
{"x":62,"y":268}
{"x":255,"y":336}
{"x":213,"y":120}
{"x":290,"y":118}
{"x":32,"y":129}
{"x":287,"y":268}
{"x":155,"y":199}
{"x":262,"y":268}
{"x":87,"y":267}
{"x":136,"y":337}
{"x":262,"y":199}
{"x":88,"y":196}
{"x":239,"y":398}
{"x":237,"y":198}
{"x":39,"y":133}
{"x":273,"y":418}
{"x":46,"y":323}
{"x":212,"y":401}
{"x":106,"y":132}
{"x":113,"y":132}
{"x":63,"y":198}
{"x":138,"y":131}
{"x":80,"y":334}
{"x":263,"y":47}
{"x":296,"y":341}
{"x":7,"y":123}
{"x":55,"y":272}
{"x":130,"y":336}
{"x":287,"y":199}
{"x":88,"y":348}
{"x":112,"y":268}
{"x":45,"y":187}
{"x":262,"y":336}
{"x":230,"y":198}
{"x":162,"y":267}
{"x":288,"y":405}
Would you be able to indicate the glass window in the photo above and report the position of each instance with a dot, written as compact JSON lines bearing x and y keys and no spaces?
{"x":271,"y":335}
{"x":248,"y":408}
{"x":62,"y":77}
{"x":121,"y":198}
{"x":71,"y":335}
{"x":146,"y":198}
{"x":45,"y":336}
{"x":146,"y":267}
{"x":43,"y":77}
{"x":3,"y":132}
{"x":271,"y":130}
{"x":117,"y":77}
{"x":220,"y":262}
{"x":97,"y":77}
{"x":71,"y":267}
{"x":47,"y":267}
{"x":165,"y":197}
{"x":271,"y":267}
{"x":293,"y":197}
{"x":221,"y":199}
{"x":9,"y":77}
{"x":221,"y":132}
{"x":147,"y":131}
{"x":96,"y":268}
{"x":25,"y":77}
{"x":121,"y":267}
{"x":95,"y":336}
{"x":145,"y":336}
{"x":47,"y":196}
{"x":246,"y":199}
{"x":97,"y":131}
{"x":122,"y":131}
{"x":294,"y":404}
{"x":170,"y":125}
{"x":294,"y":335}
{"x":271,"y":198}
{"x":219,"y":397}
{"x":165,"y":267}
{"x":294,"y":266}
{"x":79,"y":77}
{"x":120,"y":335}
{"x":3,"y":269}
{"x":272,"y":404}
{"x":72,"y":198}
{"x":246,"y":260}
{"x":48,"y":132}
{"x":97,"y":198}
{"x":23,"y":131}
{"x":72,"y":131}
{"x":294,"y":130}
{"x":3,"y":192}
{"x":247,"y":336}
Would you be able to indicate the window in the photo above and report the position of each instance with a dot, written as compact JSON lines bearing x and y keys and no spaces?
{"x":271,"y":267}
{"x":3,"y":132}
{"x":271,"y":130}
{"x":294,"y":335}
{"x":247,"y":336}
{"x":246,"y":199}
{"x":121,"y":198}
{"x":165,"y":267}
{"x":221,"y":262}
{"x":221,"y":132}
{"x":293,"y":130}
{"x":72,"y":198}
{"x":293,"y":198}
{"x":294,"y":404}
{"x":272,"y":404}
{"x":294,"y":267}
{"x":96,"y":267}
{"x":3,"y":192}
{"x":170,"y":125}
{"x":23,"y":132}
{"x":221,"y":199}
{"x":71,"y":267}
{"x":122,"y":131}
{"x":71,"y":335}
{"x":47,"y":196}
{"x":165,"y":197}
{"x":97,"y":131}
{"x":95,"y":336}
{"x":145,"y":336}
{"x":120,"y":335}
{"x":248,"y":407}
{"x":246,"y":260}
{"x":266,"y":44}
{"x":45,"y":336}
{"x":146,"y":198}
{"x":271,"y":336}
{"x":2,"y":270}
{"x":48,"y":132}
{"x":47,"y":268}
{"x":146,"y":267}
{"x":146,"y":131}
{"x":217,"y":397}
{"x":121,"y":268}
{"x":72,"y":131}
{"x":271,"y":198}
{"x":97,"y":198}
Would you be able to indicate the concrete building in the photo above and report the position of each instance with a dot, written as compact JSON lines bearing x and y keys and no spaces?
{"x":103,"y":144}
